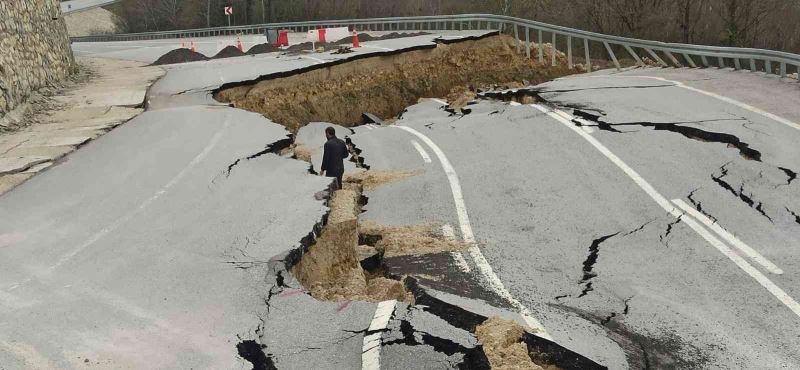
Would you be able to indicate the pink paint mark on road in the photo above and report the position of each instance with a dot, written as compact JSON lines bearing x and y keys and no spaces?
{"x":10,"y":239}
{"x":343,"y":305}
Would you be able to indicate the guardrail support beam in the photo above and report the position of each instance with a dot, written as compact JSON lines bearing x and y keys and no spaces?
{"x":704,"y":59}
{"x":737,"y":64}
{"x":588,"y":62}
{"x":541,"y":48}
{"x":569,"y":52}
{"x":768,"y":66}
{"x":516,"y":37}
{"x":656,"y":57}
{"x":721,"y":62}
{"x":672,"y":58}
{"x":611,"y":54}
{"x":689,"y":60}
{"x":553,"y":51}
{"x":634,"y":55}
{"x":783,"y":69}
{"x":528,"y":42}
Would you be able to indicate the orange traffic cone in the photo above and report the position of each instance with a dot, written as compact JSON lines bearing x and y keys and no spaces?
{"x":193,"y":49}
{"x":239,"y":44}
{"x":356,"y":43}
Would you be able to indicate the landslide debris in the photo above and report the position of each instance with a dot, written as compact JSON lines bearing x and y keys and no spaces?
{"x":179,"y":56}
{"x":385,"y":85}
{"x":503,"y":344}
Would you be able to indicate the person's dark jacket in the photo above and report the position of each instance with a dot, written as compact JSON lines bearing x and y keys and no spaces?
{"x":333,"y":158}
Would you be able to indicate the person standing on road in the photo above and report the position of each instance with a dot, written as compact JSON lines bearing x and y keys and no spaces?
{"x":333,"y":158}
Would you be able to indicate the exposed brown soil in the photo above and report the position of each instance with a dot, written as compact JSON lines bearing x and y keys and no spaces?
{"x":502,"y":342}
{"x":367,"y":37}
{"x":303,"y":152}
{"x":331,"y":270}
{"x":409,"y":240}
{"x":179,"y":56}
{"x":386,"y":85}
{"x":373,"y":179}
{"x":229,"y":51}
{"x":263,"y":48}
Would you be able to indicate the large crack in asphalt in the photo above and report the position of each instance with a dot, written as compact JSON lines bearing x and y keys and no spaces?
{"x":693,"y":133}
{"x":791,"y":175}
{"x":272,"y":148}
{"x":663,"y":238}
{"x":740,"y":194}
{"x":588,"y":264}
{"x":698,"y":205}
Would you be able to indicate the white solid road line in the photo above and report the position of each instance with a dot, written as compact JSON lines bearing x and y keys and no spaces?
{"x":458,"y":258}
{"x":422,"y":152}
{"x":735,"y":102}
{"x":733,"y":240}
{"x":371,"y":347}
{"x":671,"y":209}
{"x":493,"y":281}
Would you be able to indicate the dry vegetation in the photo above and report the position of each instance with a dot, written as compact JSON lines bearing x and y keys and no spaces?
{"x":373,"y":179}
{"x":503,"y":345}
{"x":410,"y":240}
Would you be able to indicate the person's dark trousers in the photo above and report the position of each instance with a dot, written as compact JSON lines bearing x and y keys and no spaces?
{"x":338,"y":184}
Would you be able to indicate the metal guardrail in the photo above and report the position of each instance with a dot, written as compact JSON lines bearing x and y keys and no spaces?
{"x":665,"y":54}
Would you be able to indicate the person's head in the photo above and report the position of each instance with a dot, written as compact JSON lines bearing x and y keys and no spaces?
{"x":330,"y":132}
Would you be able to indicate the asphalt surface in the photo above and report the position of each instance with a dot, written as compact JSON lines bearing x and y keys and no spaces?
{"x":540,"y":196}
{"x":163,"y":243}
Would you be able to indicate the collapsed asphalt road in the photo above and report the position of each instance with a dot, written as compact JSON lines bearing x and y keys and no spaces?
{"x":205,"y":193}
{"x":607,"y":271}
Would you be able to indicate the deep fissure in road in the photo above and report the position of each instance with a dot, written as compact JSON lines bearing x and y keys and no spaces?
{"x":747,"y":199}
{"x":384,"y":85}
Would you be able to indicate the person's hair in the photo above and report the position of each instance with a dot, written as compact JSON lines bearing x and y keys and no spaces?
{"x":330,"y":131}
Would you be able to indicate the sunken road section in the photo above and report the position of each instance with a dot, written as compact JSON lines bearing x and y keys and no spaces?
{"x":385,"y":84}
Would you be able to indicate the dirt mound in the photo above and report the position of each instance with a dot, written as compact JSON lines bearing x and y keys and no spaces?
{"x":503,"y":345}
{"x":179,"y":56}
{"x":386,"y":85}
{"x":263,"y":48}
{"x":229,"y":51}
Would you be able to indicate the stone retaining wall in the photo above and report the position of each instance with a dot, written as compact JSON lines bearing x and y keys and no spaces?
{"x":34,"y":49}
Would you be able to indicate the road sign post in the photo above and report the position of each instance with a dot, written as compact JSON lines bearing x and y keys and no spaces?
{"x":228,"y":12}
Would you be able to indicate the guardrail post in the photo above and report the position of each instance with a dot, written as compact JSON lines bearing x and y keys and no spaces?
{"x":689,"y":60}
{"x":768,"y":66}
{"x":541,"y":48}
{"x":737,"y":64}
{"x":783,"y":69}
{"x":704,"y":59}
{"x":553,"y":51}
{"x":721,"y":62}
{"x":611,"y":54}
{"x":672,"y":58}
{"x":569,"y":52}
{"x":516,"y":37}
{"x":752,"y":65}
{"x":588,"y":55}
{"x":634,"y":55}
{"x":528,"y":42}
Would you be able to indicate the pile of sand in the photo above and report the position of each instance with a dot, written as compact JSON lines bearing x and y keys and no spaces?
{"x":263,"y":48}
{"x":179,"y":56}
{"x":503,"y":345}
{"x":229,"y":51}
